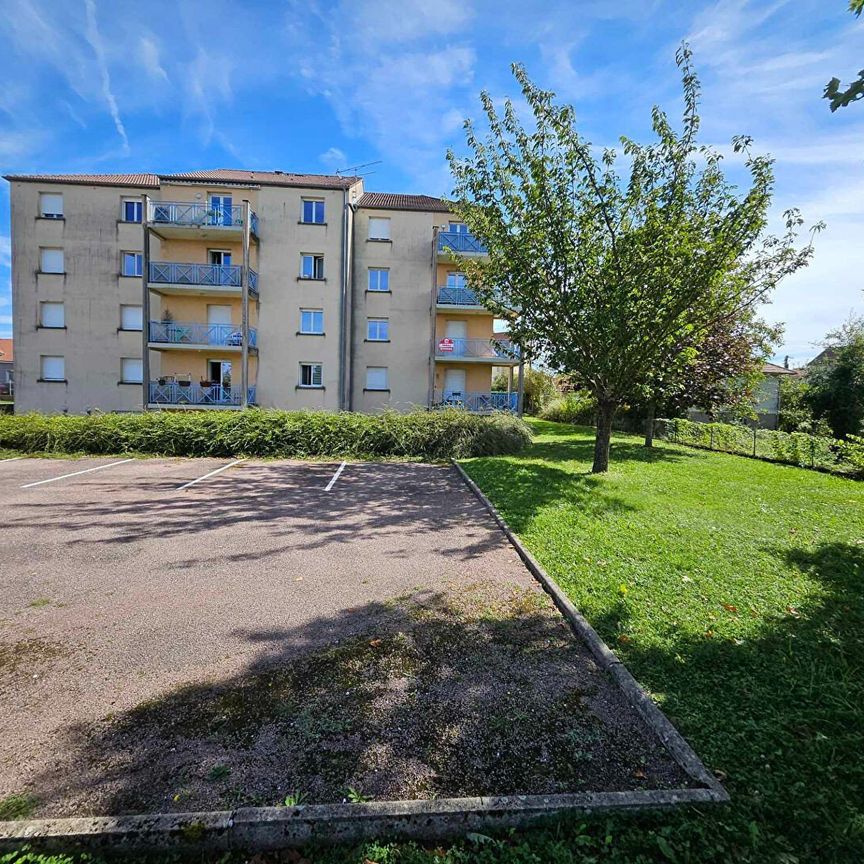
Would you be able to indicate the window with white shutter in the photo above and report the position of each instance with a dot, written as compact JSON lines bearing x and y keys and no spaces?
{"x":131,"y":318}
{"x":379,"y":229}
{"x":376,"y":378}
{"x":50,"y":205}
{"x":52,"y":315}
{"x":52,"y":368}
{"x":51,"y":260}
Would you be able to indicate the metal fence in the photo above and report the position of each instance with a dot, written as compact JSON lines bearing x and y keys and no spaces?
{"x":165,"y":392}
{"x":217,"y":275}
{"x":192,"y":333}
{"x":460,"y":241}
{"x":476,"y":348}
{"x":196,"y":214}
{"x":457,"y":295}
{"x":480,"y":403}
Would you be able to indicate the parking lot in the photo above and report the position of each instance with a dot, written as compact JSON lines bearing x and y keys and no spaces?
{"x":190,"y":634}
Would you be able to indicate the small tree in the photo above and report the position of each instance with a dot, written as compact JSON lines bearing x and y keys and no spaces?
{"x":539,"y":389}
{"x":836,"y":385}
{"x":606,"y":279}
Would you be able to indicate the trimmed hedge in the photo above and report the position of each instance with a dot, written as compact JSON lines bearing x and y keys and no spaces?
{"x":792,"y":448}
{"x":434,"y":435}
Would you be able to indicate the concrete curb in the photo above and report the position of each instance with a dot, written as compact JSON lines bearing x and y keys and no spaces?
{"x":657,"y":721}
{"x":266,"y":828}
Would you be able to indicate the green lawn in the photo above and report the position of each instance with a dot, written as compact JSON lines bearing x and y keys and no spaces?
{"x":734,"y":591}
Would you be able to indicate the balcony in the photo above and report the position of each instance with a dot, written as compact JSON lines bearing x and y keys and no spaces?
{"x":168,"y":277}
{"x":458,"y":296}
{"x":192,"y":335}
{"x":477,"y":403}
{"x":193,"y":219}
{"x":187,"y":395}
{"x":459,"y":242}
{"x":499,"y":352}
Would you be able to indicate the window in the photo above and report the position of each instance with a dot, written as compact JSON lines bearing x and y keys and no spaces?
{"x":379,"y":229}
{"x":456,"y":280}
{"x":458,"y":228}
{"x":312,"y":267}
{"x":313,"y":211}
{"x":52,"y":315}
{"x":132,"y":264}
{"x":133,"y":210}
{"x":131,"y":318}
{"x":50,"y":205}
{"x":311,"y":320}
{"x":131,"y":370}
{"x":220,"y":257}
{"x":378,"y":330}
{"x":52,"y":368}
{"x":379,"y":280}
{"x":51,"y":260}
{"x":376,"y":378}
{"x":311,"y":375}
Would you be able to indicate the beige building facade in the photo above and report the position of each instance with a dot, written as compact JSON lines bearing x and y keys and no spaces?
{"x":225,"y":289}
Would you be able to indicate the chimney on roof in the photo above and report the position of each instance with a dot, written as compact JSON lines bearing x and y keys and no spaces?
{"x":786,"y":362}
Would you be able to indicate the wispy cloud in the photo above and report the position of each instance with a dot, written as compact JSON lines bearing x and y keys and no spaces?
{"x":150,"y":58}
{"x":95,"y":41}
{"x":333,"y":158}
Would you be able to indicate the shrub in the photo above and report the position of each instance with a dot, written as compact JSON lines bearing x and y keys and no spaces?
{"x":421,"y":434}
{"x":577,"y":407}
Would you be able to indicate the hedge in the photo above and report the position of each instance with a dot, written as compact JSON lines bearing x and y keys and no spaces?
{"x":792,"y":448}
{"x":429,"y":435}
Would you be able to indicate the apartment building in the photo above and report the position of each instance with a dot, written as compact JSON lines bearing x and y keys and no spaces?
{"x":224,"y":289}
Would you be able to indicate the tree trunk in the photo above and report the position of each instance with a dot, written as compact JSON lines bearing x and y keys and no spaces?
{"x":605,"y":413}
{"x":649,"y":424}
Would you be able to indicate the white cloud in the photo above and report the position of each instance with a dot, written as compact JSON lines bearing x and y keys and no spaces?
{"x":5,"y":251}
{"x":334,"y":158}
{"x":149,"y":48}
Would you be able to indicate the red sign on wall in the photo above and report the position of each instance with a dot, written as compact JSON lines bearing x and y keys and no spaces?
{"x":445,"y":345}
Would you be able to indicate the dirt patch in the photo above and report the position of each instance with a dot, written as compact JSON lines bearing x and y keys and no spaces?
{"x":27,"y":655}
{"x":481,"y":692}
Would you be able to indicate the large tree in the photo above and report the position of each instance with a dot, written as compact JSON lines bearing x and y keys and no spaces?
{"x":854,"y":91}
{"x":609,"y":278}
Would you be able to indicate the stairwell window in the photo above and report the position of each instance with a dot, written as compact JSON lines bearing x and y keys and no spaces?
{"x":311,"y":375}
{"x":52,"y":316}
{"x":312,"y":267}
{"x":131,"y":370}
{"x":379,"y":228}
{"x":50,"y":205}
{"x":132,"y":264}
{"x":52,"y":368}
{"x":378,"y":330}
{"x":377,"y":378}
{"x":312,"y":321}
{"x":131,"y":318}
{"x":51,"y":261}
{"x":313,"y":211}
{"x":379,"y":279}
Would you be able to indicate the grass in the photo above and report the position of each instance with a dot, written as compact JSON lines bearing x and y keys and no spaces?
{"x":734,"y":591}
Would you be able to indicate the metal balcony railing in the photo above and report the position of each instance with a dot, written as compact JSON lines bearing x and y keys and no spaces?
{"x":197,"y":215}
{"x":217,"y":275}
{"x":192,"y":333}
{"x":457,"y":295}
{"x":166,"y":392}
{"x":460,"y":241}
{"x":479,"y":403}
{"x":502,"y":349}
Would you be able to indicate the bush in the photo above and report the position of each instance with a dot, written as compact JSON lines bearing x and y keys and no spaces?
{"x":795,"y":448}
{"x":577,"y":407}
{"x":540,"y":389}
{"x":434,"y":435}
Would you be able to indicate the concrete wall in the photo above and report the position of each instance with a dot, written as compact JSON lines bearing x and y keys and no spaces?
{"x":91,"y":290}
{"x":409,"y":307}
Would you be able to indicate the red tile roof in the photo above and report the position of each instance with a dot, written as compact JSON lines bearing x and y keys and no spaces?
{"x":6,"y":353}
{"x":390,"y":201}
{"x":774,"y":369}
{"x":218,"y":175}
{"x":263,"y":178}
{"x":149,"y":181}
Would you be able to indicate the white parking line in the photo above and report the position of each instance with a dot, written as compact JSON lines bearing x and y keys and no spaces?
{"x":11,"y":459}
{"x":335,"y":477}
{"x":210,"y":474}
{"x":75,"y":474}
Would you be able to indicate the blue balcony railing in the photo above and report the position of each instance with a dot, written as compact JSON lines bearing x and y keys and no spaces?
{"x":165,"y":392}
{"x":460,"y":241}
{"x":493,"y":349}
{"x":217,"y":275}
{"x":478,"y":403}
{"x":191,"y":214}
{"x":192,"y":333}
{"x":457,"y":295}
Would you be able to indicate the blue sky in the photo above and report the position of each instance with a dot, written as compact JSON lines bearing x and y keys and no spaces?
{"x":111,"y":85}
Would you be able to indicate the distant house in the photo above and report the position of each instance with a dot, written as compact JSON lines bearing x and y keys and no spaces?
{"x":767,"y":396}
{"x":6,"y":363}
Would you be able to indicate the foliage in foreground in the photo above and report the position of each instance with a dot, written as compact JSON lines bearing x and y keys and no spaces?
{"x":578,"y":407}
{"x":795,"y":448}
{"x":287,"y":434}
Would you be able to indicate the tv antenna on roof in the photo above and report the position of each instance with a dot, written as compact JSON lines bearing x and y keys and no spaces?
{"x":352,"y":171}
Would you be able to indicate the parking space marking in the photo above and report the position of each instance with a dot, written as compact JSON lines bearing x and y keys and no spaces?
{"x":210,"y":474}
{"x":11,"y":459}
{"x":75,"y":473}
{"x":335,"y":477}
